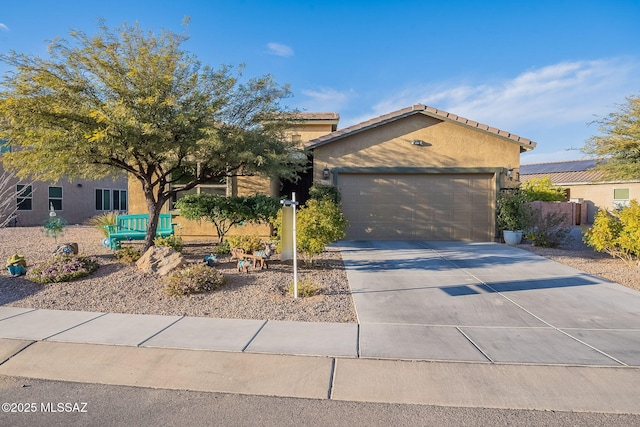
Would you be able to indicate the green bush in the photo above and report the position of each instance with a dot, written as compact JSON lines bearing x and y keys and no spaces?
{"x":100,"y":221}
{"x":325,"y":192}
{"x":223,"y":248}
{"x":548,"y":231}
{"x":544,"y":190}
{"x":513,"y":211}
{"x":225,"y":212}
{"x":194,"y":278}
{"x":306,"y":288}
{"x":617,"y":233}
{"x":62,"y":269}
{"x":318,"y":224}
{"x":174,"y":242}
{"x":128,"y":254}
{"x":249,"y":244}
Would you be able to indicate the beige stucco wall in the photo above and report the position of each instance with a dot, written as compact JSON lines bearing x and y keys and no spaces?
{"x":242,"y":186}
{"x":600,"y":195}
{"x":448,"y":145}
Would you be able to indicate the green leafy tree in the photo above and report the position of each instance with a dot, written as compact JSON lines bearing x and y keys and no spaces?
{"x":225,"y":212}
{"x":135,"y":101}
{"x":617,"y":233}
{"x":619,"y":143}
{"x":544,"y":190}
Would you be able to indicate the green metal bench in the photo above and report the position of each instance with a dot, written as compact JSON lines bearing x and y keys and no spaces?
{"x":134,"y":227}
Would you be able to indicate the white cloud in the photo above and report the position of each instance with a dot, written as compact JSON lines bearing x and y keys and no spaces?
{"x":279,"y":49}
{"x":324,"y":99}
{"x":549,"y":96}
{"x":3,"y":27}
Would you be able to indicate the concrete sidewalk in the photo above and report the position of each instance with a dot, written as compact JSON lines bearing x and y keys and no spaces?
{"x":288,"y":359}
{"x":440,"y":324}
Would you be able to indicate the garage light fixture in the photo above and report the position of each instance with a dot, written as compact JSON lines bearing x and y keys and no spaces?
{"x":510,"y":173}
{"x":325,"y":173}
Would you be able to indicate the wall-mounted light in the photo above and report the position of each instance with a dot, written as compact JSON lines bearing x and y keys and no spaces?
{"x":510,"y":174}
{"x":325,"y":173}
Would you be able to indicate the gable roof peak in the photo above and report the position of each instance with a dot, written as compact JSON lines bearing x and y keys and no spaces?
{"x":524,"y":143}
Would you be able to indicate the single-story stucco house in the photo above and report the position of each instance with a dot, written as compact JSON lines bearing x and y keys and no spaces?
{"x":585,"y":184}
{"x":415,"y":173}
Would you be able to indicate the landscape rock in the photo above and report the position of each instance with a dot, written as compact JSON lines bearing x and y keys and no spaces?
{"x":66,"y":249}
{"x":160,"y":260}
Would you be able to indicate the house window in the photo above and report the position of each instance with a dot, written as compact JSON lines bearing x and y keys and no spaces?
{"x":55,"y":198}
{"x":620,"y":198}
{"x":219,"y":188}
{"x":24,"y":197}
{"x":108,"y":199}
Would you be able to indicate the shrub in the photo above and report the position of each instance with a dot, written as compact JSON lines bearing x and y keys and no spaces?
{"x":325,"y":192}
{"x":306,"y":288}
{"x":318,"y":224}
{"x":548,"y":231}
{"x":223,"y":248}
{"x":174,"y":242}
{"x":225,"y":212}
{"x":128,"y":254}
{"x":513,"y":212}
{"x":100,"y":221}
{"x":617,"y":233}
{"x":544,"y":190}
{"x":194,"y":278}
{"x":62,"y":269}
{"x":249,"y":244}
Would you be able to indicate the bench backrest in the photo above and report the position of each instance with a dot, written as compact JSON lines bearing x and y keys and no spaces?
{"x":138,"y":222}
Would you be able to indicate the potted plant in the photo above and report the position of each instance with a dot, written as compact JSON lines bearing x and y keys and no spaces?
{"x":514,"y":215}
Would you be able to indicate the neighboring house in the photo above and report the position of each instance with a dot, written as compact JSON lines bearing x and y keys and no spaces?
{"x":584,"y":183}
{"x":75,"y":201}
{"x":416,"y":173}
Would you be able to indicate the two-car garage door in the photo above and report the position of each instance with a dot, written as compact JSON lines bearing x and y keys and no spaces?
{"x":437,"y":206}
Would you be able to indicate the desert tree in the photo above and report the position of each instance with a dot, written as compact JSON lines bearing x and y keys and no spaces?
{"x":618,"y":144}
{"x":134,"y":101}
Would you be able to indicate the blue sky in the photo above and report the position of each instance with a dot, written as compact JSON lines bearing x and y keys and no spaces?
{"x":541,"y":69}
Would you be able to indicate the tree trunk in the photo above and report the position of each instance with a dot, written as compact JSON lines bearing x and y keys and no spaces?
{"x":154,"y":208}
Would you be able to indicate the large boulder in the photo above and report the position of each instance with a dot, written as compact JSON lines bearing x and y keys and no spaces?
{"x":160,"y":260}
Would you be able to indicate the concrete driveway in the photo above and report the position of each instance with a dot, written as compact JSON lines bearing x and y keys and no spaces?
{"x":487,"y":302}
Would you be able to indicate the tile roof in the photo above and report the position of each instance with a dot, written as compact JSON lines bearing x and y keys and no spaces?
{"x":524,"y":143}
{"x":317,"y":116}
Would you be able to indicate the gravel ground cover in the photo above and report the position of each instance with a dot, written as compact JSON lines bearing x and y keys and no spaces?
{"x":576,"y":254}
{"x":121,"y":288}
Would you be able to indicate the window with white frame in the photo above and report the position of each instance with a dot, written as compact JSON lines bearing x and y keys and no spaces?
{"x":55,"y":198}
{"x":620,"y":198}
{"x":108,"y":199}
{"x":24,"y":197}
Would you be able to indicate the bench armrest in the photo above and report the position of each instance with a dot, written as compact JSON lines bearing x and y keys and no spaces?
{"x":110,"y":228}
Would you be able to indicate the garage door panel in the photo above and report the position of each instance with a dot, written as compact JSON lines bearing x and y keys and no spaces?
{"x":419,"y":206}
